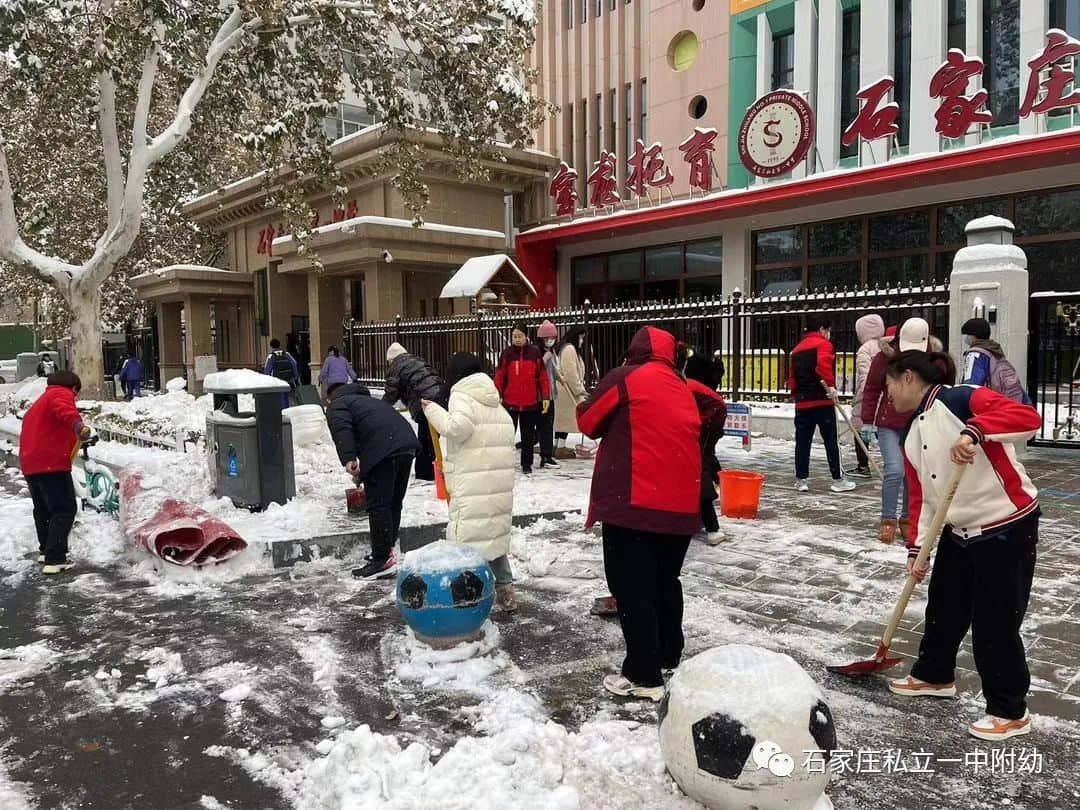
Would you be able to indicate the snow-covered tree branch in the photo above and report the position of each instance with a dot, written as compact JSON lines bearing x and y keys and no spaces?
{"x":79,"y":192}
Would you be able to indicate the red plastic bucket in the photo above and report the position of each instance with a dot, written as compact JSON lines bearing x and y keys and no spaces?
{"x":740,"y":493}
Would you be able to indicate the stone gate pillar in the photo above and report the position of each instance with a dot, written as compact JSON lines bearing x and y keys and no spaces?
{"x":990,"y":280}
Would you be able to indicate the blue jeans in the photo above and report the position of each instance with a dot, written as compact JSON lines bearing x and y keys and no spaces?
{"x":894,"y":481}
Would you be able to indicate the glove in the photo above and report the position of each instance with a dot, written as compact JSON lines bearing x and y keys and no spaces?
{"x":868,"y":433}
{"x":830,"y":392}
{"x":545,"y":406}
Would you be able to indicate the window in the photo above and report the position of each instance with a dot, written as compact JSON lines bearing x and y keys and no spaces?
{"x":663,"y":272}
{"x":599,"y":7}
{"x":903,"y":231}
{"x":849,"y":77}
{"x":643,"y":125}
{"x":843,"y":238}
{"x":569,"y":150}
{"x":902,"y":68}
{"x":584,"y":12}
{"x":611,"y":5}
{"x":628,"y":129}
{"x":952,"y":219}
{"x":682,"y":51}
{"x":1053,"y":265}
{"x":1001,"y":57}
{"x":569,"y":11}
{"x":783,"y":63}
{"x":598,"y":130}
{"x":1065,"y":14}
{"x":584,"y":132}
{"x":349,"y":119}
{"x":705,"y":258}
{"x":834,"y":274}
{"x":958,"y":24}
{"x":1045,"y":213}
{"x":777,"y":246}
{"x":612,"y":129}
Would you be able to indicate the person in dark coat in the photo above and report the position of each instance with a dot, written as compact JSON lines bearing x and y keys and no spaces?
{"x":376,"y":444}
{"x":282,"y":365}
{"x":410,"y":380}
{"x":646,"y":490}
{"x":700,"y":377}
{"x":131,"y":374}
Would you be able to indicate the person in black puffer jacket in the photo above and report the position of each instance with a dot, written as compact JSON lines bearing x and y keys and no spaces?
{"x":411,"y":380}
{"x":377,"y":446}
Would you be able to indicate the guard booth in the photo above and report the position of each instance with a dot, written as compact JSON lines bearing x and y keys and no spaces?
{"x":250,"y":450}
{"x":491,"y":283}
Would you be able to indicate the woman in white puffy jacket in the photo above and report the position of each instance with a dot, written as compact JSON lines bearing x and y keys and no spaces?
{"x":479,"y":467}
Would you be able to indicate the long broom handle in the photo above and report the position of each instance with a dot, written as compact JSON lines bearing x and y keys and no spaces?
{"x":928,"y":543}
{"x":857,"y":437}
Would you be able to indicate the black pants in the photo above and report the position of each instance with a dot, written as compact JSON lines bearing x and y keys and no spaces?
{"x":546,"y":429}
{"x":709,"y":468}
{"x":425,"y":459}
{"x":861,"y":457}
{"x":385,"y":486}
{"x":529,"y":420}
{"x":984,"y":586}
{"x":824,"y":419}
{"x":642,"y":570}
{"x":53,"y":495}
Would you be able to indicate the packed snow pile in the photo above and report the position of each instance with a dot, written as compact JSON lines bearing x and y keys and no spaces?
{"x":520,"y":758}
{"x":463,"y":667}
{"x":176,"y":384}
{"x":239,"y":380}
{"x":156,"y":416}
{"x":24,"y":396}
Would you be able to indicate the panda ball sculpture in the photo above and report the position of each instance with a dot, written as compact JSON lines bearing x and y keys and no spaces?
{"x":735,"y":728}
{"x":445,"y":592}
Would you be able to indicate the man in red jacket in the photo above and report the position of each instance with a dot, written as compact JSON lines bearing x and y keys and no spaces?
{"x":812,"y":382}
{"x":646,"y":490}
{"x":51,"y":432}
{"x":525,"y":389}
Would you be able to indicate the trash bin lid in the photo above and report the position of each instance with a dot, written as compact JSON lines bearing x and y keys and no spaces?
{"x":243,"y":381}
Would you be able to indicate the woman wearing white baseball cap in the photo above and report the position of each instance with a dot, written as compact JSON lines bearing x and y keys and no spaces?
{"x":915,"y":334}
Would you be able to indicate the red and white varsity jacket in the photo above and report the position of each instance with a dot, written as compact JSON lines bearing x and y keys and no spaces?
{"x":996,"y":490}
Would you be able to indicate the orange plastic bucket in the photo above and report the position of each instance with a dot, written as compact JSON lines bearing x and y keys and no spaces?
{"x":440,"y":483}
{"x":740,"y":493}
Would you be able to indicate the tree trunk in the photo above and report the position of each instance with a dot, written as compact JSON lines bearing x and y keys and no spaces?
{"x":84,"y":302}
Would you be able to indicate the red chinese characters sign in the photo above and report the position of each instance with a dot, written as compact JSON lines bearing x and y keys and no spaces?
{"x":647,"y":169}
{"x":697,"y":151}
{"x":562,"y":190}
{"x":958,"y":111}
{"x":1051,"y":73}
{"x":877,"y":117}
{"x":265,"y":245}
{"x":603,"y":187}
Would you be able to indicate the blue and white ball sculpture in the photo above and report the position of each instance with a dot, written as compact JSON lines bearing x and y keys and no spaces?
{"x":744,"y":728}
{"x":445,"y":592}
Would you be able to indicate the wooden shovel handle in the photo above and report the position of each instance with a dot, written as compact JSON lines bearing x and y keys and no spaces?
{"x":928,"y":543}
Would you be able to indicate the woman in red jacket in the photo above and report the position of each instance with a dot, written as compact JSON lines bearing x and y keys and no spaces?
{"x":646,"y":491}
{"x":525,"y":389}
{"x":51,"y":432}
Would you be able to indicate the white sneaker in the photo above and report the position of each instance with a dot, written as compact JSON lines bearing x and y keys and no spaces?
{"x":802,"y":485}
{"x":842,"y":485}
{"x":623,"y":687}
{"x":998,"y":728}
{"x":58,"y":568}
{"x":715,"y":538}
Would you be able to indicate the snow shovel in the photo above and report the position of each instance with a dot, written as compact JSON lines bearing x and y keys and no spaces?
{"x":858,"y":438}
{"x":881,"y":661}
{"x":440,"y":478}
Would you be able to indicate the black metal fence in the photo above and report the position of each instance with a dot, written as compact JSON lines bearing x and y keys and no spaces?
{"x":1054,"y":366}
{"x":754,"y":334}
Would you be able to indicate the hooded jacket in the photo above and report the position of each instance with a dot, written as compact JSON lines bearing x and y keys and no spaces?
{"x":869,"y":329}
{"x":522,"y":378}
{"x":410,"y":380}
{"x":648,"y":468}
{"x":50,"y":433}
{"x":812,"y":363}
{"x":877,"y":406}
{"x":478,"y":465}
{"x":978,"y":361}
{"x":367,"y":429}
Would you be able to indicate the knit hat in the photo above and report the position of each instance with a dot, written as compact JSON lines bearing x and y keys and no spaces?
{"x":977,"y":327}
{"x":547,"y":330}
{"x":914,"y":334}
{"x":395,"y":351}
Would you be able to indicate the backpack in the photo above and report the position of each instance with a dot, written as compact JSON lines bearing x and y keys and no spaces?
{"x":1005,"y":380}
{"x":282,"y":368}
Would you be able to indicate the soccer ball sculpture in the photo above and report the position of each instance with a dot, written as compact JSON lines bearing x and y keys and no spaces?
{"x":445,"y":592}
{"x":736,"y":727}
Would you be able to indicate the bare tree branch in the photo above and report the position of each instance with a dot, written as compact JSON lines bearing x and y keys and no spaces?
{"x":110,"y":142}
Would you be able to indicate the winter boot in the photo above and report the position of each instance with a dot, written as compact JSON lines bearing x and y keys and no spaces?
{"x":623,"y":687}
{"x":506,"y":598}
{"x":887,"y":530}
{"x":905,"y":529}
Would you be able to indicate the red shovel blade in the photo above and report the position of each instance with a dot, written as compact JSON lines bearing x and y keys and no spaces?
{"x":878,"y":663}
